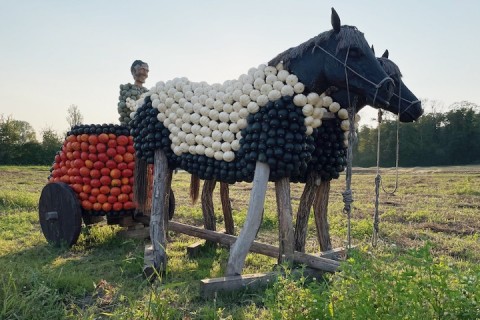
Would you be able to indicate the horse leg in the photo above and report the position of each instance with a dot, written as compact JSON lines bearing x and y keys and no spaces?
{"x":306,"y":201}
{"x":320,"y":210}
{"x":207,"y":205}
{"x":226,"y":208}
{"x":285,"y":224}
{"x":240,"y":248}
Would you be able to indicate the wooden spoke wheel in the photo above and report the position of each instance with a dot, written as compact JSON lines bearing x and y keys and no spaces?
{"x":60,"y":214}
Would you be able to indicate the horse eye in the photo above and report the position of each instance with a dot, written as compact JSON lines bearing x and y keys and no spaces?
{"x":355,"y":52}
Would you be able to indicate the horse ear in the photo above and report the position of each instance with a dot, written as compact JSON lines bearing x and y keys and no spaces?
{"x":373,"y":49}
{"x":385,"y":54}
{"x":335,"y":21}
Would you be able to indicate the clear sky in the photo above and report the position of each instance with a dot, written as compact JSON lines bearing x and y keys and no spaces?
{"x":57,"y":53}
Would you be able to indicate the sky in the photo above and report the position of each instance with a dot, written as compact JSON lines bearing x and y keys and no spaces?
{"x":57,"y":53}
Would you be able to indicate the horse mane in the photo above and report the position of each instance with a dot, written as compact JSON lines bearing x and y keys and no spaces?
{"x":390,"y":67}
{"x":348,"y":36}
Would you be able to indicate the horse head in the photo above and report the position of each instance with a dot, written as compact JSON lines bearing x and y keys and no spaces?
{"x":403,"y":102}
{"x":342,"y":58}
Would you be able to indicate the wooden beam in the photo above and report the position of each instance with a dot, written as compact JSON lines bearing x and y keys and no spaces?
{"x":239,"y":250}
{"x":309,"y":260}
{"x":210,"y":287}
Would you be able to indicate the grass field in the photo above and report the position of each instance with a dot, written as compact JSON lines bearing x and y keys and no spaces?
{"x":425,"y":266}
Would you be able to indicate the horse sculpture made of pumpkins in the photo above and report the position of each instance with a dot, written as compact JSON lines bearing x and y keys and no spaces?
{"x":224,"y":132}
{"x":328,"y":158}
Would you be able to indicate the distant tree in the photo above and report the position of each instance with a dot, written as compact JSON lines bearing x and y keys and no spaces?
{"x":14,"y":135}
{"x":74,"y":116}
{"x":51,"y":143}
{"x":14,"y":132}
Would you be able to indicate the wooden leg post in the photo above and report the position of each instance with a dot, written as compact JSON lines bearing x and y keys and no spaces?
{"x":226,"y":208}
{"x":207,"y":205}
{"x":306,"y":201}
{"x":320,"y":210}
{"x":239,"y":250}
{"x":285,"y":223}
{"x":161,"y":192}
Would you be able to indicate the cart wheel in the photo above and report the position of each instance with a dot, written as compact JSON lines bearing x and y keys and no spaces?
{"x":60,"y":214}
{"x":171,"y":205}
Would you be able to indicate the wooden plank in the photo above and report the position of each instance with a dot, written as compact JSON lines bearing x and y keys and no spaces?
{"x":195,"y":249}
{"x":126,"y":221}
{"x":210,"y":287}
{"x":285,"y":223}
{"x":309,"y":260}
{"x":336,"y":253}
{"x":137,"y":231}
{"x":149,"y":270}
{"x":239,"y":250}
{"x":320,"y":210}
{"x":303,"y":213}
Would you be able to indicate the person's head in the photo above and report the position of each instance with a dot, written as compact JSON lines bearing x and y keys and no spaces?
{"x":139,"y":70}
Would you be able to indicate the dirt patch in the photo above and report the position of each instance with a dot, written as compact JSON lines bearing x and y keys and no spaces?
{"x":460,"y":230}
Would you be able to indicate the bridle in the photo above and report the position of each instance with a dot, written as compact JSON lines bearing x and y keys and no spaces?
{"x":348,"y":68}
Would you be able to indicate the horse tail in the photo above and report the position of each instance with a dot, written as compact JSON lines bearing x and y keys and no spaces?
{"x":140,"y":185}
{"x":194,"y":188}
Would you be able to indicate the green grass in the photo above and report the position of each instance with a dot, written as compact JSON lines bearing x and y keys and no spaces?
{"x":430,"y":227}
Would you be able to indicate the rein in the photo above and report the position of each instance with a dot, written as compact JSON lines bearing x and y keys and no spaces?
{"x":348,"y":194}
{"x":378,"y":177}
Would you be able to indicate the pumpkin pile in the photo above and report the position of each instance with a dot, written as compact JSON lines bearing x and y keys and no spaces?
{"x":97,"y":161}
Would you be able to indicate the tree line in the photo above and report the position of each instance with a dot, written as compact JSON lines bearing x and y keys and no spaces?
{"x":19,"y":144}
{"x":437,"y":138}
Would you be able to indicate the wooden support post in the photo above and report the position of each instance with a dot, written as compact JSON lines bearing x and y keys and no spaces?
{"x":320,"y":210}
{"x":161,"y":192}
{"x":226,"y":208}
{"x":285,"y":223}
{"x":207,"y":205}
{"x":306,"y":201}
{"x":316,"y":262}
{"x":239,"y":250}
